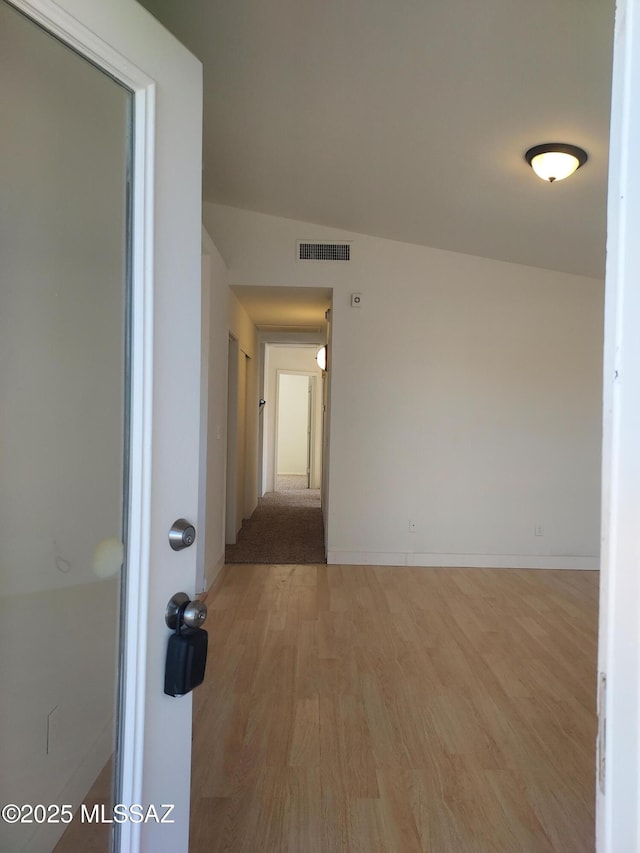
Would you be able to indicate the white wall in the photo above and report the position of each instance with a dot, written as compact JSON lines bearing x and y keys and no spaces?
{"x":217,"y":324}
{"x":293,"y":358}
{"x":244,"y":331}
{"x":293,"y":424}
{"x":232,"y":523}
{"x":465,"y":396}
{"x":326,"y":435}
{"x":227,"y":316}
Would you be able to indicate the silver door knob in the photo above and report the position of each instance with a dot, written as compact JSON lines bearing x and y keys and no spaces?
{"x":194,"y":614}
{"x":190,"y":613}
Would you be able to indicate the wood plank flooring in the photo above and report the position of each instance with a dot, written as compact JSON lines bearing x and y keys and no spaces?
{"x":392,"y":710}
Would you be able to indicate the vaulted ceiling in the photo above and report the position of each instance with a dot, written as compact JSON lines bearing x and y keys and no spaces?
{"x":409,"y":119}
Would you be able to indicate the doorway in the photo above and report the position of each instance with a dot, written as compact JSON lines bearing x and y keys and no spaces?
{"x":293,"y":439}
{"x":298,"y":446}
{"x":287,"y":525}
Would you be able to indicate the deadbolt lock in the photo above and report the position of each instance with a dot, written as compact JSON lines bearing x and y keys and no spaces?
{"x":182,"y":534}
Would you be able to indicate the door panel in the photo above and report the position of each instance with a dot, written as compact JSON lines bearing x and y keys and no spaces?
{"x":65,"y":486}
{"x":64,"y":158}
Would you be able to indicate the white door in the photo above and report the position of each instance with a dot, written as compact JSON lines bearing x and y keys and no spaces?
{"x":618,"y":790}
{"x":99,"y":427}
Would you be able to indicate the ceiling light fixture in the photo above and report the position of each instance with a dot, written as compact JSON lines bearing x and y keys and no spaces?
{"x":554,"y":161}
{"x":321,"y":358}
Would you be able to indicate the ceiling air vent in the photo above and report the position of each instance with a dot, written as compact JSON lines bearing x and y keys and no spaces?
{"x":324,"y":251}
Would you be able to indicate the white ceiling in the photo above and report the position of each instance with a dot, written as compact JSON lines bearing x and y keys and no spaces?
{"x":408,"y":119}
{"x":282,"y":309}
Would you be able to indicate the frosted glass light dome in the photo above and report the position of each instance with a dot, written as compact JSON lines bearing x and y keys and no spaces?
{"x":321,"y":358}
{"x":555,"y":161}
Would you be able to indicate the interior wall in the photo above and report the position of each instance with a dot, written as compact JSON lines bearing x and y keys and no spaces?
{"x":465,"y":398}
{"x":238,"y":488}
{"x":244,"y":330}
{"x":293,"y":358}
{"x":231,"y":491}
{"x":251,"y":412}
{"x":216,"y":324}
{"x":325,"y":417}
{"x":205,"y":338}
{"x":241,"y":470}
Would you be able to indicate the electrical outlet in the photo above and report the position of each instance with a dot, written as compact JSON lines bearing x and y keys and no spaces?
{"x":538,"y":531}
{"x":412,"y":526}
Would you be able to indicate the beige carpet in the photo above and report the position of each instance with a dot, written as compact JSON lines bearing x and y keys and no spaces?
{"x":290,"y":482}
{"x":287,"y":527}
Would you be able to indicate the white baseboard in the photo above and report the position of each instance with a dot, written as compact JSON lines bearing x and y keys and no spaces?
{"x":213,"y":572}
{"x":472,"y":561}
{"x":366,"y":558}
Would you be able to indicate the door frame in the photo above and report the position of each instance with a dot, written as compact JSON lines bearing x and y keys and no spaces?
{"x":313,"y":451}
{"x":122,"y":39}
{"x":618,"y":755}
{"x":231,"y":525}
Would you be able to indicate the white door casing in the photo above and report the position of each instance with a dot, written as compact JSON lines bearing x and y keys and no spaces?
{"x":121,"y":38}
{"x":314,"y":429}
{"x":292,"y":423}
{"x":232,"y":524}
{"x":275,"y":357}
{"x":618,"y":788}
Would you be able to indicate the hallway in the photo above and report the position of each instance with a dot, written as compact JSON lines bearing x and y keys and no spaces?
{"x":286,"y":527}
{"x":396,"y":709}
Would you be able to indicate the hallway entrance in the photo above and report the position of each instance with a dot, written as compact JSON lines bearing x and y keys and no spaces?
{"x":287,"y":527}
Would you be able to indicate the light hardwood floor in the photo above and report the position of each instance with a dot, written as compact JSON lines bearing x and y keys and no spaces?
{"x":397,"y":709}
